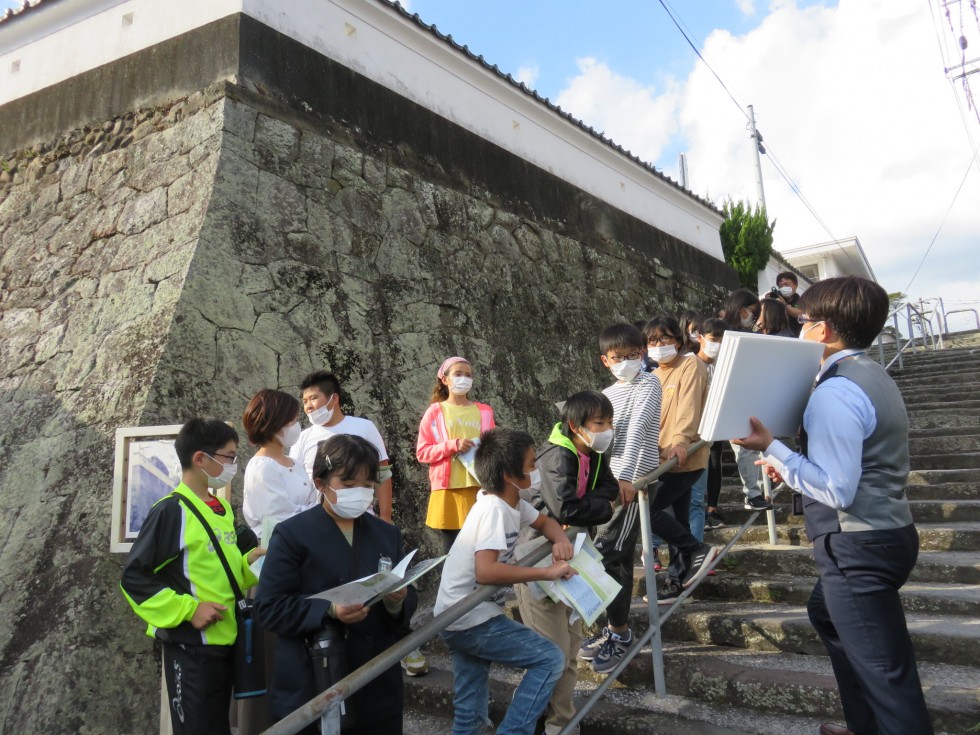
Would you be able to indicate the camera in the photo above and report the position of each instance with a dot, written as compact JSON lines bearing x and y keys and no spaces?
{"x":774,"y":294}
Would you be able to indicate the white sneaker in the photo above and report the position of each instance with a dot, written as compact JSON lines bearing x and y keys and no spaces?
{"x":415,"y":663}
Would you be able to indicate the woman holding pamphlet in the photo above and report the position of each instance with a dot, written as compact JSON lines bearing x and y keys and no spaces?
{"x":322,"y":548}
{"x":448,"y":435}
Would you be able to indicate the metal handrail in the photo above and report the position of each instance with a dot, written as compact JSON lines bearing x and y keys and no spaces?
{"x":656,"y":620}
{"x":925,"y":330}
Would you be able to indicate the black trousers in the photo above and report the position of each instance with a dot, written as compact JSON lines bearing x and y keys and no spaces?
{"x":616,"y":541}
{"x":199,"y":680}
{"x":670,"y":509}
{"x":856,"y":609}
{"x":714,"y":475}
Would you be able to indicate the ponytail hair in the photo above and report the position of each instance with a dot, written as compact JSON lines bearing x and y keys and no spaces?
{"x":440,"y":392}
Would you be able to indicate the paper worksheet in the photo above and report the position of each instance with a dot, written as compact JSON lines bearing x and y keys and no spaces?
{"x":369,"y":590}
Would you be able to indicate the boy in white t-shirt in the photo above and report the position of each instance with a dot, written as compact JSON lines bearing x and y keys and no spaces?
{"x":481,"y":555}
{"x":321,"y":402}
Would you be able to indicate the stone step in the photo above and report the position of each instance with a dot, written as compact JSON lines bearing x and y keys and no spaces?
{"x":782,"y":627}
{"x":946,"y":461}
{"x":927,"y":445}
{"x":731,"y":497}
{"x":933,"y":371}
{"x":790,"y":683}
{"x":961,"y":406}
{"x":932,"y":536}
{"x":941,"y":477}
{"x":924,"y":510}
{"x":620,"y":712}
{"x":942,"y":393}
{"x":932,"y":599}
{"x":945,"y":431}
{"x":943,"y":418}
{"x":932,"y":567}
{"x":914,"y":382}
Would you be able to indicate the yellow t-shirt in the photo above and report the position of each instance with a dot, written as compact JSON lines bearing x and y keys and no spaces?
{"x":462,"y":422}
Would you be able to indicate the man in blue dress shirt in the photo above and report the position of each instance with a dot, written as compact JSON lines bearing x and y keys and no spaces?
{"x":852,"y":470}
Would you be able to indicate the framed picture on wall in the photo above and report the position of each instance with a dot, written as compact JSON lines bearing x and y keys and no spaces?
{"x":146,"y":469}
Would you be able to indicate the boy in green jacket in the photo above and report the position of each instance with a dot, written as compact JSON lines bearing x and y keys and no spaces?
{"x":176,"y":583}
{"x":577,"y":490}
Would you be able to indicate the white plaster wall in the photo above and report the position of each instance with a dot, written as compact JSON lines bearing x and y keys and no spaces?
{"x":68,"y":38}
{"x":767,"y":277}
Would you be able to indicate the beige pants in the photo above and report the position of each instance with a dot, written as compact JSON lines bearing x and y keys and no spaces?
{"x":550,"y":619}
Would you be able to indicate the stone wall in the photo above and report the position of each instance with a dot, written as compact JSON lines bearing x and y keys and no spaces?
{"x":176,"y":259}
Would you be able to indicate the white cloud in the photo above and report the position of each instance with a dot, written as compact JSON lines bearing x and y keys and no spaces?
{"x":746,"y":6}
{"x":528,"y":75}
{"x":636,"y":116}
{"x":852,"y":101}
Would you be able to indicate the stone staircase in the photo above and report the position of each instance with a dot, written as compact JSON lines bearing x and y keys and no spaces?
{"x":742,"y":657}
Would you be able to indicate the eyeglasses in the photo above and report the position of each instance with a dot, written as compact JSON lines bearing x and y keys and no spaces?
{"x":665,"y":340}
{"x":616,"y":359}
{"x":231,"y":459}
{"x":804,"y":318}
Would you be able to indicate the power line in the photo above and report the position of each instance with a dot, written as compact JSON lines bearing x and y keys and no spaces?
{"x":945,"y":216}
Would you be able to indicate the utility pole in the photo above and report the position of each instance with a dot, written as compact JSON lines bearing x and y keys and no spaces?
{"x":682,"y":168}
{"x":757,"y":148}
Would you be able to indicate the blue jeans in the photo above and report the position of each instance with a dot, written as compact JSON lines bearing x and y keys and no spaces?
{"x":696,"y":518}
{"x":501,"y":640}
{"x":748,"y":471}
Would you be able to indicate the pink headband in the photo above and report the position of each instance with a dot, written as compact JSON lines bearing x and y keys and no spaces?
{"x":448,"y":363}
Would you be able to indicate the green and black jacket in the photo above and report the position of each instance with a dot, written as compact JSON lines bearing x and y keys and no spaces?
{"x":172,"y":566}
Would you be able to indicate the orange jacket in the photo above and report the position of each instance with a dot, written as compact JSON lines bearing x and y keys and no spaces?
{"x":435,"y":449}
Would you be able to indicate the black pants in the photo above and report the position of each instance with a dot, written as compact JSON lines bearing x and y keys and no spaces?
{"x":670,"y":509}
{"x":448,"y":538}
{"x":388,"y":726}
{"x":616,"y":541}
{"x":714,"y":475}
{"x":856,"y":609}
{"x":199,"y":680}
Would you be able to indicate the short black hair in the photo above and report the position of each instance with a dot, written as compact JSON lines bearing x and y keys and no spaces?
{"x":501,"y":452}
{"x":621,"y":337}
{"x":667,"y":326}
{"x":585,"y":405}
{"x":327,"y":382}
{"x":202,"y":435}
{"x":774,"y":317}
{"x":347,"y":454}
{"x":855,"y":307}
{"x":713,"y":327}
{"x":787,"y":276}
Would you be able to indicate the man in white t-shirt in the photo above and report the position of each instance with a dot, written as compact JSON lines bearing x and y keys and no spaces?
{"x":321,"y":402}
{"x":481,"y":555}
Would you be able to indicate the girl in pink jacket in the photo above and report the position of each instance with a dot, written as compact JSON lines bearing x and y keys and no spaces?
{"x":450,"y":428}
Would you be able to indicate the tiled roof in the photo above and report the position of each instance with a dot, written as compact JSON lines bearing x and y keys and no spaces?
{"x":28,"y":6}
{"x":464,"y":49}
{"x":25,"y":7}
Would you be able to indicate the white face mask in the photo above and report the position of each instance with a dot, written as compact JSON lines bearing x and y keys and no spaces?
{"x":598,"y":441}
{"x":803,"y":333}
{"x":228,"y":472}
{"x":626,"y":370}
{"x":747,"y":321}
{"x":320,"y":416}
{"x":289,"y":435}
{"x":786,"y":291}
{"x":352,"y":502}
{"x":662,"y":353}
{"x":460,"y":385}
{"x":535,"y":485}
{"x":711,"y":349}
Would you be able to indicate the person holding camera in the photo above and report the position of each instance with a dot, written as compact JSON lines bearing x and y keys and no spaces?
{"x":785,"y":292}
{"x":324,"y":547}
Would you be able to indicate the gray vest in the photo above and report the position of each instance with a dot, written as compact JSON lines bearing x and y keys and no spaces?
{"x":880,"y":502}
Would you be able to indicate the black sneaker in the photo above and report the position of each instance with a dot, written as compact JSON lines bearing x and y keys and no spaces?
{"x":697,"y":564}
{"x":668,"y":593}
{"x":612,"y":652}
{"x":713,"y":520}
{"x":757,"y":503}
{"x":591,"y":645}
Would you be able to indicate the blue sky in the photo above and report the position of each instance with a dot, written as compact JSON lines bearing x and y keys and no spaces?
{"x":851,"y":97}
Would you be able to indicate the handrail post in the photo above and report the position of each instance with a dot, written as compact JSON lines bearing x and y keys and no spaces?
{"x":330,"y":721}
{"x":771,"y":513}
{"x":881,"y":351}
{"x":908,"y":317}
{"x":898,"y":340}
{"x":650,"y":576}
